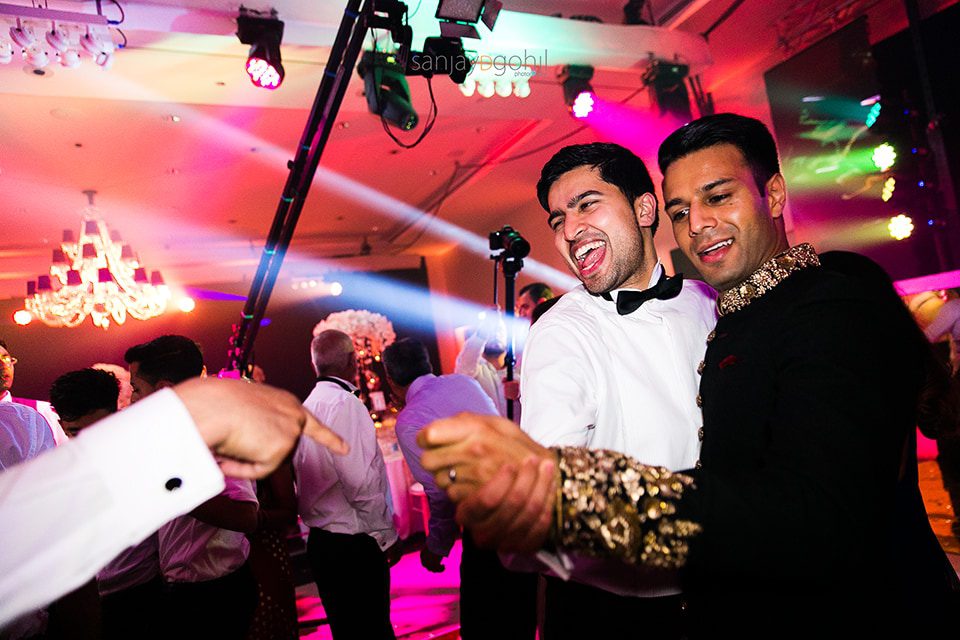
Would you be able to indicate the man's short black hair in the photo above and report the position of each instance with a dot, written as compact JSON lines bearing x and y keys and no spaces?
{"x":171,"y":358}
{"x":617,"y":165}
{"x":3,"y":343}
{"x":749,"y":135}
{"x":538,"y":291}
{"x":406,"y":360}
{"x":82,"y":392}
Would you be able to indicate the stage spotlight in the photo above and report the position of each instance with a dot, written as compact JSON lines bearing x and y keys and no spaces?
{"x":521,"y":88}
{"x":386,"y":89}
{"x":873,"y":114}
{"x":884,"y":156}
{"x":889,"y":186}
{"x":468,"y":87}
{"x":36,"y":56}
{"x":6,"y":52}
{"x":577,"y":92}
{"x":486,"y":88}
{"x":900,"y":227}
{"x":23,"y":35}
{"x":469,"y":11}
{"x":100,"y":49}
{"x":264,"y":36}
{"x":59,"y":39}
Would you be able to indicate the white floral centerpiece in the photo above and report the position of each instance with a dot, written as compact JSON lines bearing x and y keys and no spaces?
{"x":371,"y":332}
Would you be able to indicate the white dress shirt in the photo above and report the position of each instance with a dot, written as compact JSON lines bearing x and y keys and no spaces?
{"x":193,"y":551}
{"x":343,"y":494}
{"x":593,"y":378}
{"x":70,"y":511}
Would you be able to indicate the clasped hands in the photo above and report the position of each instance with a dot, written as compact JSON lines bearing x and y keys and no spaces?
{"x":504,"y":483}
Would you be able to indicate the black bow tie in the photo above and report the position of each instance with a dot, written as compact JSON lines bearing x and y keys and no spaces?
{"x":666,"y":288}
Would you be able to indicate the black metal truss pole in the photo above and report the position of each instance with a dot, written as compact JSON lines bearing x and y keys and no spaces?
{"x":336,"y":76}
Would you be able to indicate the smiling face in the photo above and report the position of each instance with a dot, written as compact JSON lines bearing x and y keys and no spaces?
{"x":598,"y":232}
{"x":721,"y":221}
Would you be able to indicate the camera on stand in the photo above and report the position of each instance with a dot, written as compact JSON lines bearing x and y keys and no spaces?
{"x":512,"y":250}
{"x":510,"y":241}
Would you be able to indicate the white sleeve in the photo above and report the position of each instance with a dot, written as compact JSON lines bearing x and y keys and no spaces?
{"x":67,"y":513}
{"x":469,"y":357}
{"x":560,"y":393}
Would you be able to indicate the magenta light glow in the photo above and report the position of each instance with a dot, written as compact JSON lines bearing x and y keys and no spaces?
{"x":263,"y":74}
{"x":638,"y":129}
{"x":933,"y":282}
{"x":583,"y":105}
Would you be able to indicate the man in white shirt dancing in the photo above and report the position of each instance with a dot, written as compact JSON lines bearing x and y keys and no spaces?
{"x":343,"y":500}
{"x":614,"y":366}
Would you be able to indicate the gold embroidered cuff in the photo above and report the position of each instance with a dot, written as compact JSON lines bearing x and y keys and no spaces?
{"x":613,"y":506}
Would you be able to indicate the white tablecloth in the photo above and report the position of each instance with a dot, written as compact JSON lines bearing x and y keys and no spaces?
{"x":406,"y":515}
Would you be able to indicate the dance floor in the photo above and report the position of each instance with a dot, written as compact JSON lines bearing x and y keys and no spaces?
{"x":424,"y":605}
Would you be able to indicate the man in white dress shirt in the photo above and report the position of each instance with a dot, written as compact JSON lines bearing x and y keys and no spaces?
{"x":613,"y":365}
{"x":342,"y":499}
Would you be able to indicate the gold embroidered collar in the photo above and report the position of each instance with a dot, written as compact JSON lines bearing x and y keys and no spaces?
{"x":769,"y":275}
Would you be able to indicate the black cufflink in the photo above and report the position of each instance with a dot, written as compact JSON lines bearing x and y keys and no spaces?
{"x":173,"y":483}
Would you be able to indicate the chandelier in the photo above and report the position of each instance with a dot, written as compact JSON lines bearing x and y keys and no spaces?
{"x":95,"y":275}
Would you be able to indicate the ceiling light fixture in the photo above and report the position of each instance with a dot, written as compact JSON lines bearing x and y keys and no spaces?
{"x":263,"y":34}
{"x":577,"y":91}
{"x":95,"y":275}
{"x":63,"y":35}
{"x":386,"y":89}
{"x":668,"y":82}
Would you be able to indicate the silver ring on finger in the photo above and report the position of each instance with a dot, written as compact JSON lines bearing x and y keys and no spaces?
{"x":452,"y":474}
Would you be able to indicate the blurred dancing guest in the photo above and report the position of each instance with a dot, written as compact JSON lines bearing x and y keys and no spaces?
{"x":352,"y":542}
{"x":203,"y":555}
{"x":485,"y":586}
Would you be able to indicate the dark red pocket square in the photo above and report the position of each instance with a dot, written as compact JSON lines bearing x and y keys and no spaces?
{"x":728,"y":361}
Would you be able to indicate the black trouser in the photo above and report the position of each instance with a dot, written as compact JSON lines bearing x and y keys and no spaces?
{"x":218,"y":608}
{"x":495,"y":602}
{"x":353,"y":581}
{"x":135,"y":612}
{"x":574,"y":610}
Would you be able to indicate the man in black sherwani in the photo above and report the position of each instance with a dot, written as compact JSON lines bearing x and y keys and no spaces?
{"x":804,"y":501}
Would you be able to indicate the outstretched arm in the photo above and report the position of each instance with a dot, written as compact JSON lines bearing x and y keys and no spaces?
{"x":120,"y":480}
